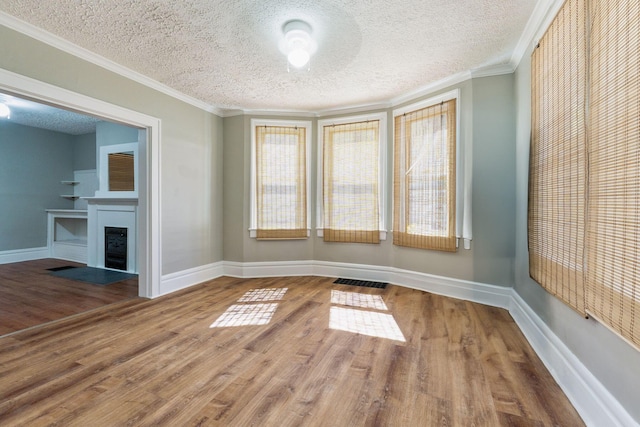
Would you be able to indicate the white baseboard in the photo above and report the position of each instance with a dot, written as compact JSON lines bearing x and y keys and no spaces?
{"x":268,"y":269}
{"x":482,"y":293}
{"x":20,"y":255}
{"x":183,"y":279}
{"x":497,"y":296}
{"x":592,"y":400}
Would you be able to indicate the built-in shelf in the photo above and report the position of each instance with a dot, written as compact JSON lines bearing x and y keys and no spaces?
{"x":70,"y":196}
{"x":67,"y":234}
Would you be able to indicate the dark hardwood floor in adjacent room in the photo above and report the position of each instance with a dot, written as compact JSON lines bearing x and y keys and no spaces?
{"x":30,"y":295}
{"x":176,"y":361}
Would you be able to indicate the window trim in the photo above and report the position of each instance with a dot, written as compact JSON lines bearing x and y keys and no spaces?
{"x":463,"y":163}
{"x":253,"y":224}
{"x":382,"y":167}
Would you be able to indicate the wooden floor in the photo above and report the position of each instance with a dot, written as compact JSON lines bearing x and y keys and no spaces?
{"x":174,"y":361}
{"x":30,"y":295}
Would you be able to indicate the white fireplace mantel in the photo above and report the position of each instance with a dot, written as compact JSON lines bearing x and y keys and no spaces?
{"x":111,"y":212}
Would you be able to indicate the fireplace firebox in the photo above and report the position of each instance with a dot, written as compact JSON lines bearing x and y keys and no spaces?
{"x":115,"y":248}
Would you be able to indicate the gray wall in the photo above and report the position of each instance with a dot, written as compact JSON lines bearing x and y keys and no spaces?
{"x":487,"y":120}
{"x":190,"y":152}
{"x":32,"y":164}
{"x":614,"y":362}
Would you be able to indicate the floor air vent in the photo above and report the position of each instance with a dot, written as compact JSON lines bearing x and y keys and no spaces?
{"x":362,"y":283}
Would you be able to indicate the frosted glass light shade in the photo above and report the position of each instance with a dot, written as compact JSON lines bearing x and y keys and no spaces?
{"x":298,"y":58}
{"x":297,"y":44}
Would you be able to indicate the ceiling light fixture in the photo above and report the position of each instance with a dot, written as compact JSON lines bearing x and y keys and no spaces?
{"x":297,"y":44}
{"x":5,"y":111}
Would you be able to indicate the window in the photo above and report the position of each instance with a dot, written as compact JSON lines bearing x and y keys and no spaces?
{"x":280,"y":179}
{"x":557,"y":174}
{"x":586,"y":105}
{"x":613,"y":205}
{"x":424,"y":183}
{"x":352,"y":179}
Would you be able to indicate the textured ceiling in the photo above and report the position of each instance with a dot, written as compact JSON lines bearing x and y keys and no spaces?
{"x":225,"y":53}
{"x":34,"y":114}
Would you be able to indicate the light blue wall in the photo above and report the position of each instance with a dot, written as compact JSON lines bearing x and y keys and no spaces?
{"x":33,"y":162}
{"x":84,"y":151}
{"x":108,"y":133}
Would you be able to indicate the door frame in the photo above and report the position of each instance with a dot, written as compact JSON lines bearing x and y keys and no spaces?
{"x":149,"y":238}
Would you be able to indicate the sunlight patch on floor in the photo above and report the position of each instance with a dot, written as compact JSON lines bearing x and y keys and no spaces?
{"x":365,"y":322}
{"x":354,"y":299}
{"x":251,"y":314}
{"x":257,"y":295}
{"x":246,"y":314}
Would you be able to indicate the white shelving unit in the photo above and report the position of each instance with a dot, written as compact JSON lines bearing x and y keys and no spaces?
{"x":67,"y":234}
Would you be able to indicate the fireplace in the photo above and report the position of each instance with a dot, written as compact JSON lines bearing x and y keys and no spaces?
{"x":115,"y":248}
{"x":111,"y":233}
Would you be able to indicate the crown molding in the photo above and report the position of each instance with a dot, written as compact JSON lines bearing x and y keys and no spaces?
{"x":429,"y":89}
{"x":363,"y":108}
{"x":492,"y":70}
{"x":543,"y":13}
{"x":85,"y":54}
{"x":275,"y":113}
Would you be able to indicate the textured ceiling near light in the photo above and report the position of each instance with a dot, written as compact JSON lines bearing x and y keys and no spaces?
{"x":38,"y":115}
{"x":225,"y":53}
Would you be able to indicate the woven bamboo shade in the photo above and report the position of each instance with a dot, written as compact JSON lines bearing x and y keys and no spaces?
{"x":121,"y":172}
{"x":613,"y":208}
{"x":351,"y":203}
{"x":424,"y":184}
{"x":557,"y":163}
{"x":281,"y":187}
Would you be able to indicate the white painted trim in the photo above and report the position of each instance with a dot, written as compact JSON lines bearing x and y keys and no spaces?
{"x":20,"y":255}
{"x":377,"y":273}
{"x":541,"y":10}
{"x":183,"y":279}
{"x":446,"y":96}
{"x":268,"y":269}
{"x":430,"y":89}
{"x":592,"y":400}
{"x":497,"y":296}
{"x":354,"y":109}
{"x":273,"y":113}
{"x":149,"y":200}
{"x":85,"y":54}
{"x":103,"y":180}
{"x":492,"y":70}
